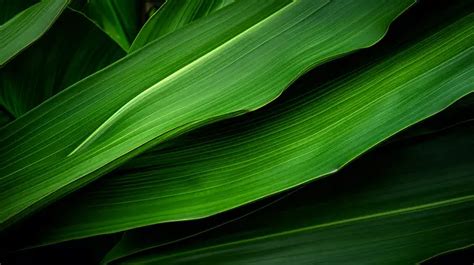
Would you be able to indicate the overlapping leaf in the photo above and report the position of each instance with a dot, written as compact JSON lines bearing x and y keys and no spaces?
{"x":75,"y":49}
{"x":294,"y":141}
{"x":26,"y":27}
{"x":400,"y":204}
{"x":120,"y":19}
{"x":192,"y":76}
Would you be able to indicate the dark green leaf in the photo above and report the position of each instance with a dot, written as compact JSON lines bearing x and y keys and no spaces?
{"x":400,"y":204}
{"x":76,"y":48}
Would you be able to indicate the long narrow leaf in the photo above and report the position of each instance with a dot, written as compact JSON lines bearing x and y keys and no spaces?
{"x":195,"y":75}
{"x":76,"y":48}
{"x":292,"y":142}
{"x":399,"y":205}
{"x":23,"y":29}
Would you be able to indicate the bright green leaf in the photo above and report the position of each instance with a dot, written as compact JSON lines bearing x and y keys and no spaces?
{"x":193,"y":76}
{"x":286,"y":144}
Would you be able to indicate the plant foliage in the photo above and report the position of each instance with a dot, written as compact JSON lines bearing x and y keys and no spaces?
{"x":236,"y":132}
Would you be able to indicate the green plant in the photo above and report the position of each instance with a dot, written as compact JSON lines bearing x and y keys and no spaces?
{"x":201,"y":133}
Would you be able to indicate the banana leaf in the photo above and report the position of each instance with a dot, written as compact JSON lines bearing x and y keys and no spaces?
{"x":26,"y":27}
{"x":193,"y":76}
{"x":308,"y":135}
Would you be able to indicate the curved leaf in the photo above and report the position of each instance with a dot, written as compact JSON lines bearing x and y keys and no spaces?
{"x":289,"y":143}
{"x":26,"y":27}
{"x":400,"y":204}
{"x":193,"y":76}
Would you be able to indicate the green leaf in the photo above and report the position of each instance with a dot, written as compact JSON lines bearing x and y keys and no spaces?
{"x":296,"y":140}
{"x":8,"y":8}
{"x":173,"y":15}
{"x":26,"y":27}
{"x":399,"y":204}
{"x":120,"y":19}
{"x":76,"y":48}
{"x":460,"y":112}
{"x":193,"y":76}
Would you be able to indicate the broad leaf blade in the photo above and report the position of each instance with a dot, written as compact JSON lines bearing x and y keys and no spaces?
{"x":289,"y":143}
{"x":23,"y":29}
{"x":399,"y":204}
{"x":189,"y":78}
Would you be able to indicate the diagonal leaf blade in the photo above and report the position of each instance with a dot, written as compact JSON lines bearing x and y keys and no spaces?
{"x":26,"y":27}
{"x":289,"y":143}
{"x":400,"y":204}
{"x":181,"y":81}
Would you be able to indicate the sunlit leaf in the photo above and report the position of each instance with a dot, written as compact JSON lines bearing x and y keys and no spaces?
{"x":193,"y":76}
{"x":308,"y":135}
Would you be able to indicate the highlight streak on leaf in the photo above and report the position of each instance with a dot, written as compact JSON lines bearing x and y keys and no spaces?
{"x":213,"y":75}
{"x":284,"y":145}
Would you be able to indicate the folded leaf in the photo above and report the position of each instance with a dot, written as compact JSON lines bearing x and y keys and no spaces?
{"x":173,"y":15}
{"x":400,"y":204}
{"x":293,"y":141}
{"x":19,"y":32}
{"x":192,"y":76}
{"x":75,"y":49}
